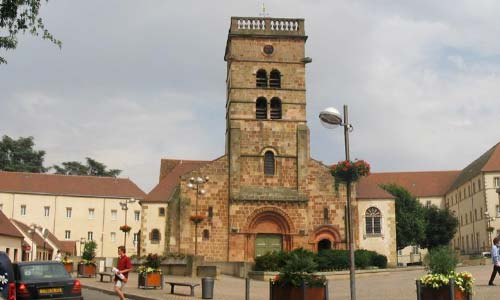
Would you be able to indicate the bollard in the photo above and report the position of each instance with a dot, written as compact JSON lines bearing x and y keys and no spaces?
{"x":419,"y":290}
{"x":452,"y":289}
{"x":247,"y":288}
{"x":327,"y":297}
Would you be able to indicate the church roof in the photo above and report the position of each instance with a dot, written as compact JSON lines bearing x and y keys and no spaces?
{"x":171,"y":171}
{"x":53,"y":184}
{"x":488,"y":162}
{"x":419,"y":184}
{"x":7,"y":228}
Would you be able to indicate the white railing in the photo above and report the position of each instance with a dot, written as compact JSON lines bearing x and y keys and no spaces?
{"x":274,"y":25}
{"x":284,"y":25}
{"x":254,"y":24}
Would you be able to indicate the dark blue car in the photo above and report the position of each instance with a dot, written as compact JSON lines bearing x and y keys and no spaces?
{"x":7,"y":282}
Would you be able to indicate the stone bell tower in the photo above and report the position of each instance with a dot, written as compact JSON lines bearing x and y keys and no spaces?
{"x":266,"y":137}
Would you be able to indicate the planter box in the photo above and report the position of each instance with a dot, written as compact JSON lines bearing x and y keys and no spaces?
{"x":88,"y":270}
{"x":447,"y":292}
{"x":68,"y":267}
{"x":298,"y":293}
{"x":151,"y":280}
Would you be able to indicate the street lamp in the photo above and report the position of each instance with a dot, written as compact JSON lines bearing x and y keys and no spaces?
{"x":82,"y":242}
{"x":124,"y":204}
{"x":194,"y":184}
{"x":32,"y":231}
{"x":331,"y":118}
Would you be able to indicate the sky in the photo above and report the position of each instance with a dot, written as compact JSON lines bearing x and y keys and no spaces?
{"x":138,"y":81}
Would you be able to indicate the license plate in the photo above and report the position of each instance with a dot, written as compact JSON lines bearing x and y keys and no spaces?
{"x":50,"y":291}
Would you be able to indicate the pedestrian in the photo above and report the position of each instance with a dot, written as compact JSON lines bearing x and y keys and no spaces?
{"x":58,"y":256}
{"x":121,"y":276}
{"x":495,"y":259}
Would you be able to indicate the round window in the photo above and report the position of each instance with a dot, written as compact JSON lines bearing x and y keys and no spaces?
{"x":268,"y":49}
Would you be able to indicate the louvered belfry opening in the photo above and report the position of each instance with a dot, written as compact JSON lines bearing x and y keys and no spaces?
{"x":275,"y":79}
{"x":261,"y":79}
{"x":275,"y":108}
{"x":269,"y":163}
{"x":261,"y":108}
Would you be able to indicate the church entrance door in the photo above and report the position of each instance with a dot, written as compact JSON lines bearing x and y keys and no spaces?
{"x":324,"y":245}
{"x":265,"y":243}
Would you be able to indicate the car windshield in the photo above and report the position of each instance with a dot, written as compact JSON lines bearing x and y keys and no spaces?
{"x":40,"y":272}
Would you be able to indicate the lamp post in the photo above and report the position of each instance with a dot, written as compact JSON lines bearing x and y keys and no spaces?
{"x":331,"y":118}
{"x":194,"y":184}
{"x":124,"y":204}
{"x":82,"y":242}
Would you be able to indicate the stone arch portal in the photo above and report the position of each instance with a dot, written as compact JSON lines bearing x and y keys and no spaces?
{"x":325,"y":237}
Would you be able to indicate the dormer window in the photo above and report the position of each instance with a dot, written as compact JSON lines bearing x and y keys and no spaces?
{"x":269,"y":163}
{"x":261,"y":78}
{"x":275,"y":108}
{"x":275,"y":79}
{"x":261,"y":108}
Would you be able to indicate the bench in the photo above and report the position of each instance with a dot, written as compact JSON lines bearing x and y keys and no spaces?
{"x":191,"y":285}
{"x":106,"y":274}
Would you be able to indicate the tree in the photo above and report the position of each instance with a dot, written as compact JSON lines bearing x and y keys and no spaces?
{"x":410,"y":217}
{"x":19,"y":16}
{"x":92,"y":168}
{"x":19,"y":155}
{"x":440,"y":228}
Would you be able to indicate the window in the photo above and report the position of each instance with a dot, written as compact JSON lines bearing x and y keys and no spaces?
{"x":68,"y":212}
{"x":206,"y":235}
{"x":261,"y":108}
{"x":269,"y":163}
{"x":275,"y":108}
{"x":113,"y":237}
{"x":479,"y":184}
{"x":210,"y":213}
{"x":261,"y":79}
{"x":161,"y":211}
{"x":136,"y":239}
{"x":23,"y":210}
{"x":46,"y":211}
{"x":114,"y":214}
{"x":91,"y":213}
{"x":137,"y":215}
{"x":90,"y":236}
{"x":415,"y":249}
{"x":275,"y":79}
{"x":373,"y":221}
{"x":428,"y":203}
{"x":496,"y":182}
{"x":67,"y":234}
{"x":325,"y":215}
{"x":154,"y":236}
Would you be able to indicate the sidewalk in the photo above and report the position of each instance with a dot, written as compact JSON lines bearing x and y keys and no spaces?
{"x":385,"y":284}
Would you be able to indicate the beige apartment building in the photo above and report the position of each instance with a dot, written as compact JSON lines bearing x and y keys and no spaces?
{"x":75,"y":208}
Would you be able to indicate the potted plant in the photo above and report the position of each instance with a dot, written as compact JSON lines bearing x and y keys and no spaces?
{"x":297,"y":279}
{"x":150,"y":274}
{"x":347,"y":171}
{"x":87,"y":266}
{"x":125,"y":228}
{"x":68,"y":264}
{"x":442,"y":282}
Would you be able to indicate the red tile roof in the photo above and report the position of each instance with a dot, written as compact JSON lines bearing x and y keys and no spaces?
{"x":51,"y":184}
{"x":170,"y":178}
{"x":419,"y":184}
{"x":7,"y":228}
{"x":36,"y":237}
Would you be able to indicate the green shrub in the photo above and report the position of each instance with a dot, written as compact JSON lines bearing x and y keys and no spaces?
{"x":271,"y":261}
{"x":441,"y":260}
{"x":333,"y":260}
{"x":379,"y":261}
{"x":363,"y":258}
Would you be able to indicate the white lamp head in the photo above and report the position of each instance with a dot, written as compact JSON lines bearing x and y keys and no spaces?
{"x":330,"y":117}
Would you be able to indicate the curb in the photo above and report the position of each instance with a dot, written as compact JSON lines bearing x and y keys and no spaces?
{"x":109,"y":292}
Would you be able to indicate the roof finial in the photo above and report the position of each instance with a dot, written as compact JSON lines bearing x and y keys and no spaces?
{"x":263,"y":13}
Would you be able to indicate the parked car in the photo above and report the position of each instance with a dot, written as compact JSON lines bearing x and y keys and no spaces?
{"x":45,"y":280}
{"x":7,"y":282}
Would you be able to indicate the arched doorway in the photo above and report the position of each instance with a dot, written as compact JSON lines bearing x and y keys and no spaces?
{"x":324,"y":244}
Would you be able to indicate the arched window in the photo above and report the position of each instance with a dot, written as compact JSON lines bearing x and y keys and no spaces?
{"x":373,"y":221}
{"x":261,"y":79}
{"x":154,"y":236}
{"x":261,"y":108}
{"x":275,"y":79}
{"x":206,"y":235}
{"x":269,"y":163}
{"x":275,"y":108}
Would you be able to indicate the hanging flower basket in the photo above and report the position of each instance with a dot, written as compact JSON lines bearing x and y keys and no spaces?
{"x":347,"y":171}
{"x":125,"y":228}
{"x":196,"y":219}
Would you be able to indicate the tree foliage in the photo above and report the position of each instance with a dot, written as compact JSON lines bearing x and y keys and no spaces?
{"x":429,"y":227}
{"x":91,"y":168}
{"x":410,"y":217}
{"x":19,"y":155}
{"x":21,"y":16}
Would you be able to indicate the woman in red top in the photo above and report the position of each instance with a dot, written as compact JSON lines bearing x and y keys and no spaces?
{"x":124,"y":266}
